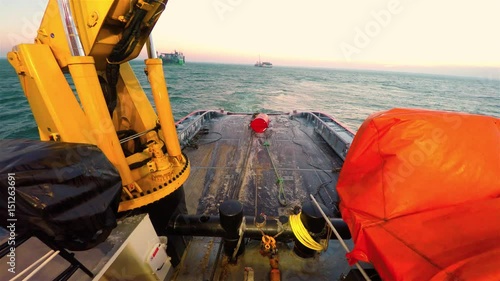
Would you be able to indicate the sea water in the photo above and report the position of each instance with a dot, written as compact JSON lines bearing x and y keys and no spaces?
{"x":348,"y":95}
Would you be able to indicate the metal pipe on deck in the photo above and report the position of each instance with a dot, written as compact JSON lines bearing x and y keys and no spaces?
{"x":233,"y":226}
{"x":201,"y":225}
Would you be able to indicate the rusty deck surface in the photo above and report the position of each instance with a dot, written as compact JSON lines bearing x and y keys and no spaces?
{"x":230,"y":161}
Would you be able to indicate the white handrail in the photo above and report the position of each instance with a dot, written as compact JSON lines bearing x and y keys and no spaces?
{"x":54,"y":254}
{"x":32,"y":265}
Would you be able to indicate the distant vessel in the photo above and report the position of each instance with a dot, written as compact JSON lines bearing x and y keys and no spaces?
{"x":173,"y":58}
{"x":263,"y":64}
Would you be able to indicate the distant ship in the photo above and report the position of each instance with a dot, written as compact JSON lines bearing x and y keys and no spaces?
{"x":263,"y":64}
{"x":173,"y":58}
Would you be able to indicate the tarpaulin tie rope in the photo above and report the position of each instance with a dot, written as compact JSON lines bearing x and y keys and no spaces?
{"x":363,"y":272}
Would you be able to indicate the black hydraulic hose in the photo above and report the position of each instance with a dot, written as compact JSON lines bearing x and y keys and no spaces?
{"x":130,"y":37}
{"x":121,"y":51}
{"x":112,"y":74}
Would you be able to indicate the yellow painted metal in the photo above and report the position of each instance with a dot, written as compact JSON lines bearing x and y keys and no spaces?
{"x":100,"y":25}
{"x":83,"y":117}
{"x":162,"y":190}
{"x":163,"y":174}
{"x":89,"y":90}
{"x":53,"y":103}
{"x":154,"y":68}
{"x":52,"y":34}
{"x":160,"y":177}
{"x":133,"y":104}
{"x":95,"y":35}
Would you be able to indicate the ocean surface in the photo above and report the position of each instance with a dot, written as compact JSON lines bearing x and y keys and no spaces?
{"x":348,"y":95}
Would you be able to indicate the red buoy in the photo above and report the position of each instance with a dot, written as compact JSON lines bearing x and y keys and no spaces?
{"x":260,"y":123}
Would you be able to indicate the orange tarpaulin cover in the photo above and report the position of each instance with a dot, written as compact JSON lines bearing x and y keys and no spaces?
{"x":420,"y":192}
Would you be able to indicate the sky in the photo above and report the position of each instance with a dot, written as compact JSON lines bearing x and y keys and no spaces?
{"x":445,"y":36}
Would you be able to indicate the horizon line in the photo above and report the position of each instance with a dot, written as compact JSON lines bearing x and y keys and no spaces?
{"x":439,"y":70}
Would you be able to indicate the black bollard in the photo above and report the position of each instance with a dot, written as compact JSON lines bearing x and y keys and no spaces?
{"x":314,"y":223}
{"x":231,"y":216}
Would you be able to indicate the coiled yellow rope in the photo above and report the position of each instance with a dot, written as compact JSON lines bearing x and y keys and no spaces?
{"x":303,"y":235}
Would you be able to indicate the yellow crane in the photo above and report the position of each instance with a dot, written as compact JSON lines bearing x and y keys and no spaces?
{"x":88,"y":44}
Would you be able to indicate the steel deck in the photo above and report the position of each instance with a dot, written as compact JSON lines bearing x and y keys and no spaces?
{"x":230,"y":161}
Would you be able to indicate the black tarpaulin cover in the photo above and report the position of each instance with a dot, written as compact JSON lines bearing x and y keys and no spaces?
{"x":66,"y":191}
